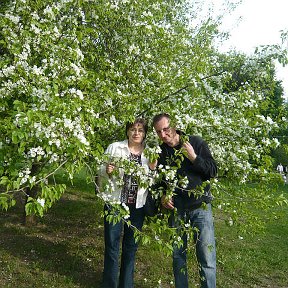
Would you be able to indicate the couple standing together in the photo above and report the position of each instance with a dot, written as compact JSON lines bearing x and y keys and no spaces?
{"x":197,"y":166}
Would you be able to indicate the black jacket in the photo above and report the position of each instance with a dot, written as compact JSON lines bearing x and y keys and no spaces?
{"x":203,"y":168}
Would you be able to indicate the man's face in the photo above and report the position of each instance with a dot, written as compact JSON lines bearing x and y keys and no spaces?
{"x":167,"y":134}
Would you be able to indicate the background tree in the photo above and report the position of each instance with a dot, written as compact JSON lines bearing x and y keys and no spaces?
{"x":259,"y":71}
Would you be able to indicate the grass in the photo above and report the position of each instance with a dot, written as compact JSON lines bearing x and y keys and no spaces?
{"x":65,"y":249}
{"x":256,"y":260}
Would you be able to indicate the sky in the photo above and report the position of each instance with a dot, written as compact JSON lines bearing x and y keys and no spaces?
{"x":260,"y":24}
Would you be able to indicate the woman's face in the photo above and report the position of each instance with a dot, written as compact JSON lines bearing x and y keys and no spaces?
{"x":136,"y":134}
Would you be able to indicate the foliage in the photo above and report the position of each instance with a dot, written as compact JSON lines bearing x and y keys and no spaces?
{"x":280,"y":155}
{"x":258,"y":71}
{"x":73,"y":72}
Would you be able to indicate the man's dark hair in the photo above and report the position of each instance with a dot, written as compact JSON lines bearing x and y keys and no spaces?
{"x":158,"y":117}
{"x":137,"y":121}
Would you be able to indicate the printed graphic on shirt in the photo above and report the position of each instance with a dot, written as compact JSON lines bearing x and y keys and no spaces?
{"x":130,"y":188}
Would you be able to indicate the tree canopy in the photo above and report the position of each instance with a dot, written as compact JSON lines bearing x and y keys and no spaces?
{"x":73,"y":72}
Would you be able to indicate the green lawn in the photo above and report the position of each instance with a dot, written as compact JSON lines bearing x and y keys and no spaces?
{"x":65,"y":249}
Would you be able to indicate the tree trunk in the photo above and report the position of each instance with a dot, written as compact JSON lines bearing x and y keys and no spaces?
{"x":30,"y":220}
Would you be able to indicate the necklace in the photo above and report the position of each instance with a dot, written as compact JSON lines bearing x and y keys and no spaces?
{"x":136,"y":150}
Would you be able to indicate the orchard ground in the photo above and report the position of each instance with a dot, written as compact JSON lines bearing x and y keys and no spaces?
{"x":65,"y":249}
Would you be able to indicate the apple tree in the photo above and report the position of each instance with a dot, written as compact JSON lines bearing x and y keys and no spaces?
{"x":73,"y":72}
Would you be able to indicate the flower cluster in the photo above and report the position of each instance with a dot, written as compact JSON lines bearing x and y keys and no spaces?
{"x":25,"y":177}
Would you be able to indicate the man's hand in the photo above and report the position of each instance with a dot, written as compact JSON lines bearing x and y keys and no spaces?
{"x":189,"y":151}
{"x":167,"y":202}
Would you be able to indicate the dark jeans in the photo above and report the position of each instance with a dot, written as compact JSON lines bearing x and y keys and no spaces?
{"x":201,"y":219}
{"x":112,"y":235}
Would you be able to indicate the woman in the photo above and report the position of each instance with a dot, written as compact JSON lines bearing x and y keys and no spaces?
{"x":134,"y":197}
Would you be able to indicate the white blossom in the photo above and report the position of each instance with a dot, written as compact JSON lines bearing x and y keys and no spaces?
{"x":13,"y":18}
{"x":68,"y":123}
{"x":37,"y":70}
{"x":54,"y":158}
{"x":36,"y":151}
{"x":41,"y":201}
{"x":80,"y":95}
{"x":79,"y":54}
{"x":230,"y":222}
{"x":56,"y":31}
{"x":32,"y":180}
{"x":35,"y":29}
{"x":75,"y":68}
{"x":57,"y":143}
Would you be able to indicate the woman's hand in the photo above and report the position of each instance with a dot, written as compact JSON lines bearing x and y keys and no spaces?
{"x":110,"y":168}
{"x":153,"y":165}
{"x":167,"y":202}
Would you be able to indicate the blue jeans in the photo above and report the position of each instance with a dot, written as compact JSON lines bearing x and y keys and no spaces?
{"x":202,"y":219}
{"x":112,"y":235}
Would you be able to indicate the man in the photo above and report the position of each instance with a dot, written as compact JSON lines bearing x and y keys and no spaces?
{"x":280,"y":168}
{"x":192,"y":203}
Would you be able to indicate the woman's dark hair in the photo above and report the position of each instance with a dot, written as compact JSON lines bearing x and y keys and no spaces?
{"x":137,"y":121}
